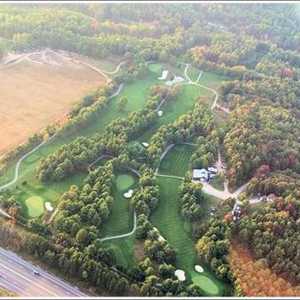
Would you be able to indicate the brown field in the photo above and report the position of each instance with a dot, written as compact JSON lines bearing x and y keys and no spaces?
{"x":255,"y":278}
{"x":34,"y":95}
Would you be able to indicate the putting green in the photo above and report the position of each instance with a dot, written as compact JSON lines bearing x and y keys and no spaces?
{"x":124,"y":182}
{"x":35,"y":206}
{"x":206,"y":284}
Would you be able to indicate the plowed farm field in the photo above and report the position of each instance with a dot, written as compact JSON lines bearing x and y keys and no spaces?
{"x":34,"y":95}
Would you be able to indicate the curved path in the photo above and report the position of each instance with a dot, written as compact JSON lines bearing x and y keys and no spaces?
{"x":120,"y":236}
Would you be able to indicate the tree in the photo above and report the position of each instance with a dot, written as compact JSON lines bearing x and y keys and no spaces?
{"x":122,"y":103}
{"x":82,"y":237}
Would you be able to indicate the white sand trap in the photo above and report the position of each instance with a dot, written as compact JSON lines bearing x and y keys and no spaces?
{"x":199,"y":269}
{"x":164,"y":75}
{"x":177,"y":79}
{"x":160,"y":113}
{"x":49,"y":206}
{"x":180,"y":274}
{"x":146,"y":145}
{"x":160,"y":237}
{"x":128,"y":194}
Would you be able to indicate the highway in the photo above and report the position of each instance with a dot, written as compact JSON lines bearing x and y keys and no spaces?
{"x":17,"y":275}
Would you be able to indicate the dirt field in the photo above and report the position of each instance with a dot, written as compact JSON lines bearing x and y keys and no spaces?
{"x":34,"y":94}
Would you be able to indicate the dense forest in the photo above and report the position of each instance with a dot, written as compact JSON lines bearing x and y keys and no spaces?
{"x":256,"y":48}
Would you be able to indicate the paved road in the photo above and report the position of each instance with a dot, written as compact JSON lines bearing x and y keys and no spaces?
{"x":17,"y":276}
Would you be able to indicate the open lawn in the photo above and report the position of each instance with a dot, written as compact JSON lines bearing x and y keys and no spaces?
{"x":124,"y":251}
{"x":49,"y":193}
{"x":176,"y":162}
{"x":33,"y":95}
{"x":172,"y":227}
{"x":121,"y":221}
{"x":124,"y":181}
{"x":35,"y":206}
{"x":121,"y":218}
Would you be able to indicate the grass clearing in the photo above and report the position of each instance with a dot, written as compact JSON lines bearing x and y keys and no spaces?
{"x":35,"y":206}
{"x":121,"y":221}
{"x":124,"y":251}
{"x":174,"y":109}
{"x":124,"y":182}
{"x":176,"y":162}
{"x":48,"y":192}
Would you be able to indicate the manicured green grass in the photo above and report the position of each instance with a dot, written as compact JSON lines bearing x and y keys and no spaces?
{"x":121,"y":221}
{"x":207,"y":284}
{"x":124,"y":251}
{"x":35,"y":206}
{"x":175,"y":108}
{"x":176,"y":162}
{"x":124,"y":181}
{"x":212,"y":80}
{"x":178,"y":233}
{"x":48,"y":192}
{"x":121,"y":218}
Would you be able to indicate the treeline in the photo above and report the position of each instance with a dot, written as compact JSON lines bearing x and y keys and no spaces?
{"x":191,"y":198}
{"x":73,"y":243}
{"x":271,"y":232}
{"x":271,"y":91}
{"x":206,"y":152}
{"x":213,"y":249}
{"x":259,"y":135}
{"x":79,"y":154}
{"x":184,"y":129}
{"x":83,"y":211}
{"x":91,"y":264}
{"x":24,"y":148}
{"x":281,"y":183}
{"x":103,"y":29}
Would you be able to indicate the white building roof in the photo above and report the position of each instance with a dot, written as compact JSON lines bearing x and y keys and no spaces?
{"x":200,"y":173}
